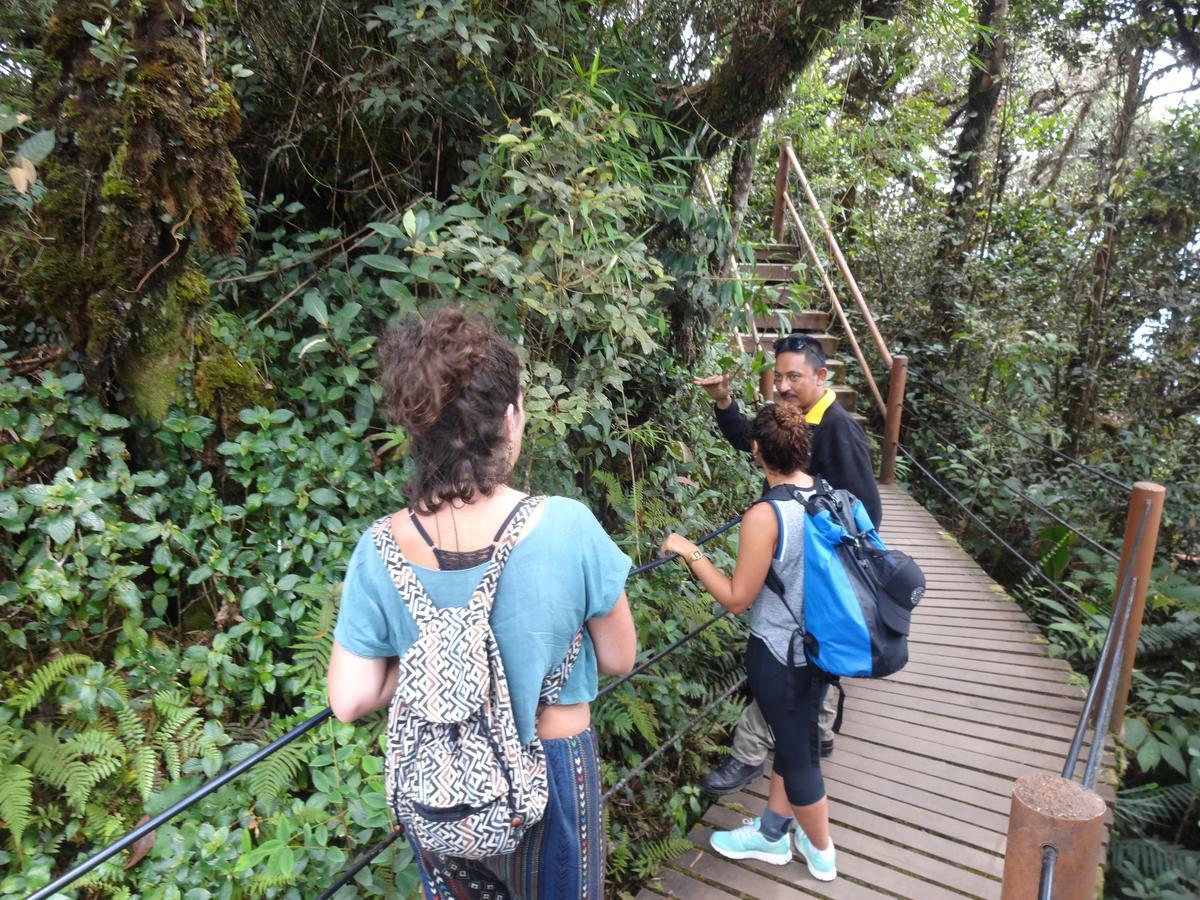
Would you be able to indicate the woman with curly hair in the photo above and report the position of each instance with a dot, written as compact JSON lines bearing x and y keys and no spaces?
{"x":454,"y":384}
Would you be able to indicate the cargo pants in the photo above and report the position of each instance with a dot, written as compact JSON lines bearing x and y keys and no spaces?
{"x":752,"y":740}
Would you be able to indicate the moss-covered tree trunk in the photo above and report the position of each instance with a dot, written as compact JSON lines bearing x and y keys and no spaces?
{"x":141,"y":173}
{"x":987,"y":61}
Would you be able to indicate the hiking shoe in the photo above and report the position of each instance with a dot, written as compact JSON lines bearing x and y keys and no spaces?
{"x":729,"y":776}
{"x":747,"y":842}
{"x":822,"y":864}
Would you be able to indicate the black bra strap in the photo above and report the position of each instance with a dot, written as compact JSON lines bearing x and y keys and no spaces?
{"x":499,"y":531}
{"x":421,"y":529}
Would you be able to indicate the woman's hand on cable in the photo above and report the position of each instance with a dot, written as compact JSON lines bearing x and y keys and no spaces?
{"x":677,"y":543}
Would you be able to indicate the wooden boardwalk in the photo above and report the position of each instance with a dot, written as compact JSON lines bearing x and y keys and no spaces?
{"x":921,"y":774}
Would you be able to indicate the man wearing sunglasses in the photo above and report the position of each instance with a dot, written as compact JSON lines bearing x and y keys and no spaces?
{"x":839,"y":455}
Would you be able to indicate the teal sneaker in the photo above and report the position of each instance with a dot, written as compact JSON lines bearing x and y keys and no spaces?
{"x":748,"y":842}
{"x":822,"y":864}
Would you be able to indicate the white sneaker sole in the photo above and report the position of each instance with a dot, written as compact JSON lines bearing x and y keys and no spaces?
{"x":820,"y":876}
{"x":775,"y":859}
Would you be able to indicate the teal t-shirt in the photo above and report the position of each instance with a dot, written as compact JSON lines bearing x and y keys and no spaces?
{"x":564,"y":571}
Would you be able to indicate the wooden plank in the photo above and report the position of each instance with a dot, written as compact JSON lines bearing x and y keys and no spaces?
{"x":942,"y":668}
{"x":851,"y":868}
{"x":674,"y":883}
{"x":933,"y":650}
{"x":959,"y":749}
{"x":996,"y":734}
{"x":909,"y":703}
{"x":864,"y":753}
{"x":937,"y":823}
{"x":982,"y":704}
{"x":851,"y":817}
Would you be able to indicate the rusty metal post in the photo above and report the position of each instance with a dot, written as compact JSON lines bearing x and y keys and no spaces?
{"x":891,"y":425}
{"x":1144,"y":492}
{"x":1048,"y":810}
{"x":781,"y":184}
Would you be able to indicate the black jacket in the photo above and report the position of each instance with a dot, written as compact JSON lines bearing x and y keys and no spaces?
{"x":839,"y":452}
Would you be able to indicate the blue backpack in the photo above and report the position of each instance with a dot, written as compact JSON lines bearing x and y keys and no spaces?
{"x":858,"y":594}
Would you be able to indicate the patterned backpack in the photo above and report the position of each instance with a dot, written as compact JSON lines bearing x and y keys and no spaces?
{"x":457,"y":774}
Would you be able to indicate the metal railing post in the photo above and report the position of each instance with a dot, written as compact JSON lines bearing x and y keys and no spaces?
{"x":1050,"y":811}
{"x":1136,"y":561}
{"x":891,"y":425}
{"x":781,"y":183}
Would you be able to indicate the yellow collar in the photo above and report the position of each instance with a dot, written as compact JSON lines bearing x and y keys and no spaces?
{"x":817,"y":413}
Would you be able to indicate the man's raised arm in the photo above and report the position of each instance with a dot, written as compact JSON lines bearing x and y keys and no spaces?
{"x":730,"y":419}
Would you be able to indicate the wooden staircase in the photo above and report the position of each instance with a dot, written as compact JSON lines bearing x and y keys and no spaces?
{"x":774,"y":269}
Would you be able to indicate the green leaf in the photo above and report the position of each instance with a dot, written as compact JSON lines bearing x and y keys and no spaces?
{"x":60,"y":529}
{"x":385,"y":263}
{"x":1173,"y":758}
{"x":315,"y":307}
{"x":37,"y":147}
{"x":1134,"y":733}
{"x":323,"y":497}
{"x":1148,"y":756}
{"x":280,"y":497}
{"x":409,"y":221}
{"x":387,"y":230}
{"x":254,"y":596}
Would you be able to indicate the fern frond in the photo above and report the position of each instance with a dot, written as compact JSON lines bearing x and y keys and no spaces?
{"x":653,"y":854}
{"x":261,"y":885}
{"x":276,"y":774}
{"x":82,"y":778}
{"x":1142,"y":808}
{"x":103,"y":824}
{"x":166,"y":701}
{"x":1155,"y":859}
{"x":145,"y":769}
{"x":45,"y":678}
{"x":95,"y":742}
{"x":16,"y":800}
{"x":1182,"y":630}
{"x":641,"y":711}
{"x":133,"y":729}
{"x":174,"y":722}
{"x":612,"y":487}
{"x":310,"y":654}
{"x":47,"y":756}
{"x":173,"y":760}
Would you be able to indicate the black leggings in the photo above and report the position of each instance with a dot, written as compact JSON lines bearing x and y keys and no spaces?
{"x":797,"y":739}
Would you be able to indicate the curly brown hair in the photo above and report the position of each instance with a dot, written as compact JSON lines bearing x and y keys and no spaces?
{"x":448,"y":379}
{"x":783,"y":437}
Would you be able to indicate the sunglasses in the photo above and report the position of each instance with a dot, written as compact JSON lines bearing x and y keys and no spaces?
{"x":795,"y":343}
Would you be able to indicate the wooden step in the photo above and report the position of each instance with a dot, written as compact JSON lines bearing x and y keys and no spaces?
{"x":770,"y":273}
{"x":766,"y":342}
{"x":860,"y":419}
{"x":784,"y":320}
{"x":846,"y":396}
{"x":837,"y":371}
{"x":777,"y":253}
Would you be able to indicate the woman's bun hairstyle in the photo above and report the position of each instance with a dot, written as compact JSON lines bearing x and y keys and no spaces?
{"x":782,"y":433}
{"x":448,"y":379}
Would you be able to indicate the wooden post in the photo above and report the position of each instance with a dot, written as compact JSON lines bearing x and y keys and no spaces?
{"x":1049,"y":810}
{"x":781,"y":185}
{"x":891,"y":425}
{"x":1138,"y":567}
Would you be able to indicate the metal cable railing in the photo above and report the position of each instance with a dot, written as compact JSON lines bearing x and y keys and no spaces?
{"x":1103,"y":687}
{"x":1032,"y":566}
{"x":1017,"y":492}
{"x":1066,"y":457}
{"x":123,"y":843}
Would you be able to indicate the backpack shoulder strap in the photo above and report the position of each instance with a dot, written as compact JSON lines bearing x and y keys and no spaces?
{"x":554,"y":683}
{"x":412,"y":592}
{"x":485,"y":592}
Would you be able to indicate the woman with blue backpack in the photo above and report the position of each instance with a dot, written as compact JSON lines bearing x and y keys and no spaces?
{"x":480,"y":616}
{"x":787,"y":689}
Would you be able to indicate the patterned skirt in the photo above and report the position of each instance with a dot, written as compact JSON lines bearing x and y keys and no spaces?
{"x":561,"y":857}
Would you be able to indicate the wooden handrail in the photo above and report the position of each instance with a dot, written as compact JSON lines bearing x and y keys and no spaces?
{"x":835,"y":249}
{"x":781,"y":180}
{"x":837,"y":306}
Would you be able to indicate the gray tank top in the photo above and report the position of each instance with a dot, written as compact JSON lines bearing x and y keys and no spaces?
{"x":770,"y":620}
